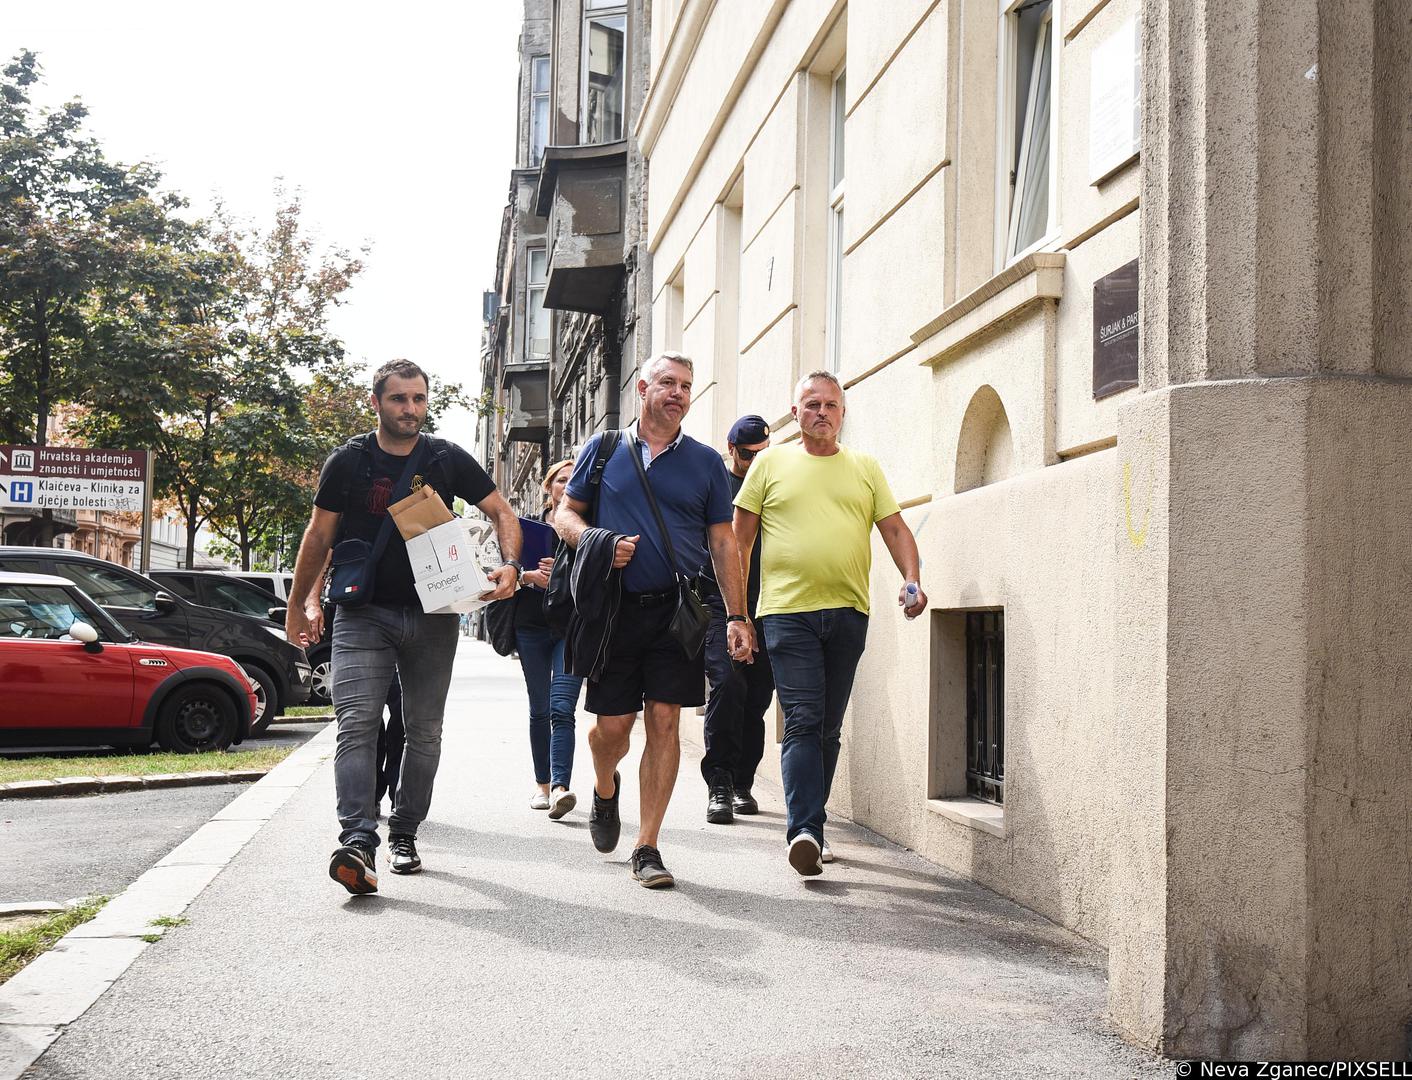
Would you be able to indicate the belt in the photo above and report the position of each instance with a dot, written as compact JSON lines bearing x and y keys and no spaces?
{"x":649,"y":599}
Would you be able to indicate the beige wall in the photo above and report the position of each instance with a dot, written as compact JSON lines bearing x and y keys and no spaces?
{"x":920,"y":158}
{"x":1205,"y":582}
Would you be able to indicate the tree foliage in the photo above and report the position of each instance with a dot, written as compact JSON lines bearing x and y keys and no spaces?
{"x":207,"y":341}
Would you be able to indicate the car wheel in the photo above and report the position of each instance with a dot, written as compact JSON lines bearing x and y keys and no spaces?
{"x":321,"y":691}
{"x":197,"y":717}
{"x":267,"y":702}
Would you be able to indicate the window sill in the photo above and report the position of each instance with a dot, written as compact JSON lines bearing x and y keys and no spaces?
{"x":1037,"y":277}
{"x":973,"y":813}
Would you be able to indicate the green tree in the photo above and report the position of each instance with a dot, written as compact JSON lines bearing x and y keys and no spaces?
{"x":89,"y":251}
{"x":230,"y":417}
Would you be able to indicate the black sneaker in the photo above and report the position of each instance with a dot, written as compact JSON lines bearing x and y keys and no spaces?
{"x":647,"y":868}
{"x":718,"y":802}
{"x":604,"y":825}
{"x":744,"y":803}
{"x":354,"y":866}
{"x":405,"y":859}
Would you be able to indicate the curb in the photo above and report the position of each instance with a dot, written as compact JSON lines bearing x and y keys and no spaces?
{"x":59,"y":986}
{"x":95,"y":785}
{"x":317,"y":718}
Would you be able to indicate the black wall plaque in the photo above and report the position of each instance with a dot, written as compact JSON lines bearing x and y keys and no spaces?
{"x":1115,"y":331}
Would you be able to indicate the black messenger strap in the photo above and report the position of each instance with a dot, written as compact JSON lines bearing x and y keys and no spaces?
{"x":399,"y":492}
{"x":656,"y":513}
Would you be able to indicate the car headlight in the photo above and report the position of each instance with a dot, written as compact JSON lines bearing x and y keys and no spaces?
{"x":277,"y":633}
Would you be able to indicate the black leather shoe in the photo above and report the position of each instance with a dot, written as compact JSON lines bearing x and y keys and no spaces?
{"x":744,"y":803}
{"x":604,"y":825}
{"x":718,"y":803}
{"x":648,"y":871}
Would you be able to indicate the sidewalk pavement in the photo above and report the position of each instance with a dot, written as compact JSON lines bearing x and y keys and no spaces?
{"x":520,"y":951}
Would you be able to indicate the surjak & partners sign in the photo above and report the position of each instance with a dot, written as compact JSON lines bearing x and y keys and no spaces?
{"x":72,"y":478}
{"x":1115,"y":331}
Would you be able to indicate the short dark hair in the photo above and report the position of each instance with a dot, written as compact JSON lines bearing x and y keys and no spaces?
{"x":403,"y":369}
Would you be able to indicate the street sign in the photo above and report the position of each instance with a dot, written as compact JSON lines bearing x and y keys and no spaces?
{"x":73,"y":478}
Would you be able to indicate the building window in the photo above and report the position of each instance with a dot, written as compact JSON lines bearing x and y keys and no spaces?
{"x":537,"y":317}
{"x":1026,"y":123}
{"x":539,"y":108}
{"x":985,"y":705}
{"x":835,"y":284}
{"x":604,"y":71}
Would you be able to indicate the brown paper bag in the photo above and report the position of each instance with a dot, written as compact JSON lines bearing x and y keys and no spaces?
{"x":420,"y":512}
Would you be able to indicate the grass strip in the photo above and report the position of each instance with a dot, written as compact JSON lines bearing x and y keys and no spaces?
{"x":19,"y":947}
{"x":309,"y":710}
{"x":128,"y":763}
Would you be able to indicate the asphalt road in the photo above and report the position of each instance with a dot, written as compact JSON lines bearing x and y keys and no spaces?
{"x":60,"y":849}
{"x":520,"y":951}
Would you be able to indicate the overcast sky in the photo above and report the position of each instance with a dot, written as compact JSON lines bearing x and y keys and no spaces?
{"x":395,"y":120}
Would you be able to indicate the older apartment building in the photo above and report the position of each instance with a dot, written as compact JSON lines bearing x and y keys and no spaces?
{"x":1120,"y":293}
{"x":565,"y":323}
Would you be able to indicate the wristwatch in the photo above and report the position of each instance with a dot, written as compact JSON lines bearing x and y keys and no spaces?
{"x":737,"y":618}
{"x":519,"y":570}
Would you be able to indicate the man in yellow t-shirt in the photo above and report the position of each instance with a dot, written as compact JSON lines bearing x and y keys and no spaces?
{"x":815,"y":506}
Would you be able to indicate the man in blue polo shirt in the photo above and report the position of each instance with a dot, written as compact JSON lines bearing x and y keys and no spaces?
{"x":646,"y":669}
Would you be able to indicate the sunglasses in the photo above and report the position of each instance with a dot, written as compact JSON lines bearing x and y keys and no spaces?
{"x":746,"y":455}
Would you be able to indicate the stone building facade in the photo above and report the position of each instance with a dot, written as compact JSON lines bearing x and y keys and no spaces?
{"x":566,"y":326}
{"x":1120,"y":292}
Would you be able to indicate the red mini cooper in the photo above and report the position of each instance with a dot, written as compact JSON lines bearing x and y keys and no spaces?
{"x":70,"y":675}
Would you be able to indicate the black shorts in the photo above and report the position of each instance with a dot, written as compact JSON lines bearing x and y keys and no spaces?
{"x":646,"y":663}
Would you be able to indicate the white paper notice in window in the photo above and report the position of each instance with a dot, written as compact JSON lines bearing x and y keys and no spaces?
{"x":1115,"y":103}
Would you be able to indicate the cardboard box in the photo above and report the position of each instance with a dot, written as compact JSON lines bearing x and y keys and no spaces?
{"x":443,"y":553}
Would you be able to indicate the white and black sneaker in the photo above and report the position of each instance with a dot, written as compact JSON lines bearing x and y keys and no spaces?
{"x":405,"y":859}
{"x":804,"y":855}
{"x":354,"y":866}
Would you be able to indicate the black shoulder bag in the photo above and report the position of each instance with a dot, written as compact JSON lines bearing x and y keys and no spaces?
{"x":353,"y":567}
{"x":558,"y":599}
{"x":690,"y":620}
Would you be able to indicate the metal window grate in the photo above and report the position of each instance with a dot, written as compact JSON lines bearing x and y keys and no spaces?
{"x":985,"y":705}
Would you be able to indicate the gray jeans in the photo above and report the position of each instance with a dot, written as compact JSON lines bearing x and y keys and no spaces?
{"x":370,"y":643}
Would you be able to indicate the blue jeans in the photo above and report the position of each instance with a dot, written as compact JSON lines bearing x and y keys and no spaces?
{"x":553,"y":699}
{"x":814,"y":656}
{"x":371,"y":645}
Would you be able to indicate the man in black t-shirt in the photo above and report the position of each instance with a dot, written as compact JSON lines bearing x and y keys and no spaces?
{"x":389,"y":635}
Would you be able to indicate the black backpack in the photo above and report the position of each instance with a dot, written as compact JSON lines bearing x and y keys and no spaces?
{"x":558,"y":600}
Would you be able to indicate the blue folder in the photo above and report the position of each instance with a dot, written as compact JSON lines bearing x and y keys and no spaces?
{"x":539,"y":543}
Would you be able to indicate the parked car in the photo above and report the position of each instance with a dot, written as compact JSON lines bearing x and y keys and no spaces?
{"x":204,"y":586}
{"x":153,"y":614}
{"x":223,"y":593}
{"x":272,"y":581}
{"x":72,"y":675}
{"x":321,"y":663}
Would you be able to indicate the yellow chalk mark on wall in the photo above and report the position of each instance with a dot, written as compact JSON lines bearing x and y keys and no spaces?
{"x":1136,"y":537}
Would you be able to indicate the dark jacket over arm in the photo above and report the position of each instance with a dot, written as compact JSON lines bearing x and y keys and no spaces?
{"x":597,"y":590}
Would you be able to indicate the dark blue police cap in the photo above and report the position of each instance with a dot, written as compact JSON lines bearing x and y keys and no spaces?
{"x":748,"y":430}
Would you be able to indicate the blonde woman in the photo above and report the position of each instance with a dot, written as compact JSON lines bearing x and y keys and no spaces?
{"x":553,"y":695}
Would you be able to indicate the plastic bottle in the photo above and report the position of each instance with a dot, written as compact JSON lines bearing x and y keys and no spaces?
{"x":913,"y":594}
